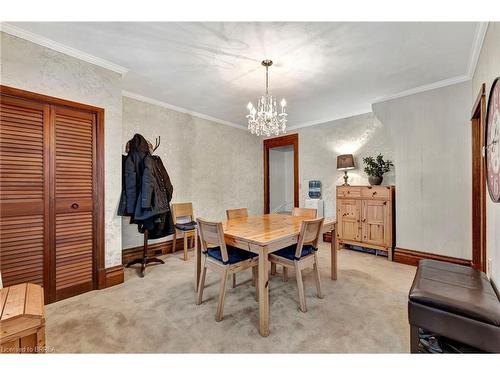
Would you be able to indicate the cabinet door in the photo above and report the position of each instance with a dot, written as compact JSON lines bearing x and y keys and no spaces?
{"x":74,"y":194}
{"x":348,"y":216}
{"x":375,"y":222}
{"x":23,"y":197}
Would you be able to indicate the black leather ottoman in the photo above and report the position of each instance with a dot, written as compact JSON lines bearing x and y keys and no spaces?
{"x":454,"y":302}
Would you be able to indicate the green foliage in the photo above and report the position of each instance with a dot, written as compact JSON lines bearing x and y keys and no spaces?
{"x":377,"y":166}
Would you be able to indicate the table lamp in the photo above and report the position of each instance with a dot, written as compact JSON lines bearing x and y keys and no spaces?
{"x":344,"y":163}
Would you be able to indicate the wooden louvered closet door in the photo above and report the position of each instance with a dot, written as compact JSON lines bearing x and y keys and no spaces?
{"x":23,"y":191}
{"x":73,"y":186}
{"x":51,"y":187}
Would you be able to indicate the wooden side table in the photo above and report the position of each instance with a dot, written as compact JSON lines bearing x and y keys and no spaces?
{"x":22,"y":320}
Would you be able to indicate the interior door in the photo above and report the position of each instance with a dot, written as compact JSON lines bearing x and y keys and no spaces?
{"x":74,"y":146}
{"x":23,"y":197}
{"x":349,"y":212}
{"x":374,"y":226}
{"x":51,"y":193}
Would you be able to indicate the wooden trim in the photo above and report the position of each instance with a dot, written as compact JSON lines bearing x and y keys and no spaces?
{"x":14,"y":92}
{"x":114,"y":275}
{"x":99,"y":200}
{"x":154,"y":249}
{"x":327,"y":237}
{"x":48,"y":279}
{"x":51,"y":240}
{"x":476,"y":107}
{"x":412,"y":257}
{"x":286,"y":140}
{"x":478,"y":220}
{"x":99,"y":222}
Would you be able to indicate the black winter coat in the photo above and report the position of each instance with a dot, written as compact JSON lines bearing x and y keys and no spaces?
{"x":147,"y":189}
{"x":154,"y":195}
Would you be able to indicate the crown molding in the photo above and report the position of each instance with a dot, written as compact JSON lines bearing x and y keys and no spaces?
{"x":159,"y":103}
{"x":56,"y":46}
{"x":419,"y":89}
{"x":359,"y":112}
{"x":478,"y":40}
{"x":477,"y":44}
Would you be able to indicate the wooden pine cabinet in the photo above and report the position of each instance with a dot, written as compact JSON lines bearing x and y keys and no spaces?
{"x":365,"y":217}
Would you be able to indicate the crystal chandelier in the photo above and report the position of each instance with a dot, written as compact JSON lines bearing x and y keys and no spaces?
{"x":265,"y":120}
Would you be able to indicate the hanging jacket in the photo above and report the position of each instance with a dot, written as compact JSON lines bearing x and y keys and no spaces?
{"x":153,"y":196}
{"x":122,"y":206}
{"x":133,"y":170}
{"x":147,"y":189}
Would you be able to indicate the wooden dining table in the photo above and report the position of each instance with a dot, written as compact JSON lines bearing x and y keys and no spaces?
{"x":263,"y":235}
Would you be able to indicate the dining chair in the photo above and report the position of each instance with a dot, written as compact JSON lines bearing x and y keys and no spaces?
{"x":221,"y":258}
{"x":309,"y":213}
{"x":183,"y":218}
{"x":236,"y":213}
{"x":302,"y":255}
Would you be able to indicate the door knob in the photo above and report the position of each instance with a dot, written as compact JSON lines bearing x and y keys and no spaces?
{"x":75,"y":206}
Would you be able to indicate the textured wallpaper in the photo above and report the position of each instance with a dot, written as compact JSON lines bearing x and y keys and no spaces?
{"x":212,"y":165}
{"x":31,"y":67}
{"x":319,"y":146}
{"x":433,"y":157}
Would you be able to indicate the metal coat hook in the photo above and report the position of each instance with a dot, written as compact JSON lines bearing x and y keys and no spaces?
{"x":157,"y":143}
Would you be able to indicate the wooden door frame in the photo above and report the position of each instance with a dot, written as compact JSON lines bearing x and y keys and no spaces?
{"x":478,"y":118}
{"x":286,"y":140}
{"x":98,"y":269}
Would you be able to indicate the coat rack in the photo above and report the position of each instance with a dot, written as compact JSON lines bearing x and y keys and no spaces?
{"x":145,"y":260}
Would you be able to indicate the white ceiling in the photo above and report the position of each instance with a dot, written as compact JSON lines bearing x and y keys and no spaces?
{"x":324,"y":70}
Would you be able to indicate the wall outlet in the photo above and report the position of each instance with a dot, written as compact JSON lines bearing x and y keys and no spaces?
{"x":488,"y":267}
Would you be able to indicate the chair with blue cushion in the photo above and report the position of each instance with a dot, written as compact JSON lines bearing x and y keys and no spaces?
{"x":222,"y":258}
{"x":306,"y":213}
{"x":183,"y":218}
{"x":302,"y":255}
{"x":238,"y":213}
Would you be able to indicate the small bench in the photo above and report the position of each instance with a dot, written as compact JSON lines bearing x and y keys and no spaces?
{"x":455,"y":302}
{"x":22,"y":319}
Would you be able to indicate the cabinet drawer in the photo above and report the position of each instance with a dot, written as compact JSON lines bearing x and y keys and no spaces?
{"x":380,"y":192}
{"x":349,"y":192}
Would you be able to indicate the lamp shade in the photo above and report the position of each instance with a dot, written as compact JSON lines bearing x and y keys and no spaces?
{"x":345,"y":162}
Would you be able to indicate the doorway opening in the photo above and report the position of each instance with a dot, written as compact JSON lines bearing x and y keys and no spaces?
{"x":281,"y":180}
{"x":478,"y":118}
{"x":281,"y":174}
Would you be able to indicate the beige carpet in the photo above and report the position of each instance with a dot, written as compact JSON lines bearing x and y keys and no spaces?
{"x":364,"y":311}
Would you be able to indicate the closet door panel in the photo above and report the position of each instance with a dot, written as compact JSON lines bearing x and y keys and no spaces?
{"x":74,"y":144}
{"x":23,"y":191}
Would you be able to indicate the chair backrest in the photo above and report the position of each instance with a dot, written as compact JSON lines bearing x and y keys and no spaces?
{"x":182,"y":210}
{"x":310,"y":213}
{"x":212,"y":235}
{"x":236,"y":213}
{"x":310,"y":231}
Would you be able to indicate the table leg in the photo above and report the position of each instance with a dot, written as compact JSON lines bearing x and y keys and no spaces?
{"x":197,"y":263}
{"x":333,"y":253}
{"x":263,"y":293}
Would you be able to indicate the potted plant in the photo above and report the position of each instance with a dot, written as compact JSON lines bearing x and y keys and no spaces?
{"x":376,"y":167}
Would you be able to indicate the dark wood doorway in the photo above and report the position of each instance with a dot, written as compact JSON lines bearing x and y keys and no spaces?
{"x":478,"y":118}
{"x":51,"y":193}
{"x":287,"y":140}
